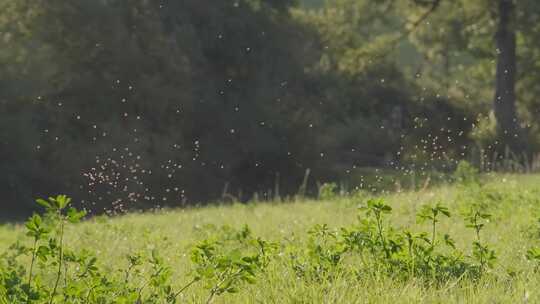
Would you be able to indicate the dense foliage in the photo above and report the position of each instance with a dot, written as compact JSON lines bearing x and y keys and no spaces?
{"x":133,"y":104}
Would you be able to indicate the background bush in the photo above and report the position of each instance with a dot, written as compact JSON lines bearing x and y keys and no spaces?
{"x":135,"y":104}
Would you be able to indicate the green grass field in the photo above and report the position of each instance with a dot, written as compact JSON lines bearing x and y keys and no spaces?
{"x":513,"y":201}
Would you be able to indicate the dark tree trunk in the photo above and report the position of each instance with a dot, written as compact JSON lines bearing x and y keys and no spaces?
{"x":504,"y":104}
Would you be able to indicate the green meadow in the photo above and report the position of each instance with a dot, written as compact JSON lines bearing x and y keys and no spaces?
{"x":511,"y":231}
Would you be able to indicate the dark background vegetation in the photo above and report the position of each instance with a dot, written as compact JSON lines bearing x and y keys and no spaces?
{"x":135,"y":104}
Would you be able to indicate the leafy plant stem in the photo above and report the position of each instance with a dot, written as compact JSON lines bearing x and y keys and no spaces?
{"x":380,"y":232}
{"x":478,"y":227}
{"x":216,"y":288}
{"x":179,"y":292}
{"x":30,"y":272}
{"x":433,"y":223}
{"x":60,"y":259}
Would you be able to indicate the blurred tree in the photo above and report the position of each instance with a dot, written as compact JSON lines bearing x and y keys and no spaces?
{"x":368,"y":91}
{"x":137,"y":103}
{"x":468,"y":33}
{"x":197,"y":93}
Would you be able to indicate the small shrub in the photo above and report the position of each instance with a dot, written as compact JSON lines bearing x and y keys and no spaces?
{"x":476,"y":219}
{"x":382,"y":248}
{"x":328,"y":191}
{"x":466,"y":173}
{"x":533,"y":255}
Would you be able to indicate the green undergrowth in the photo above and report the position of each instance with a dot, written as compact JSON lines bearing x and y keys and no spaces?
{"x":476,"y":241}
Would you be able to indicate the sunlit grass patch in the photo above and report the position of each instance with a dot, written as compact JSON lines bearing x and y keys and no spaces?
{"x":432,"y":245}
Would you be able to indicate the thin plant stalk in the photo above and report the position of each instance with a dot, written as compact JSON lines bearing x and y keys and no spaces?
{"x":60,"y":260}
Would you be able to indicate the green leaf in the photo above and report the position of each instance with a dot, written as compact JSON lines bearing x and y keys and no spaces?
{"x":386,"y":208}
{"x":232,"y":290}
{"x":75,"y":216}
{"x":43,"y":203}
